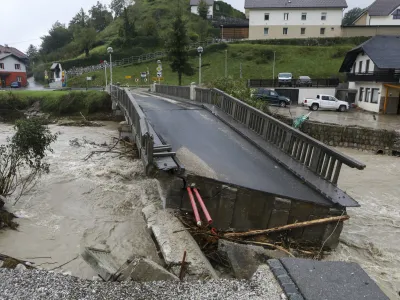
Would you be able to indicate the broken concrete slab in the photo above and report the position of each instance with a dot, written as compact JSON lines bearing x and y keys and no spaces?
{"x":173,"y":240}
{"x":144,"y":270}
{"x":102,"y":262}
{"x":245,"y":259}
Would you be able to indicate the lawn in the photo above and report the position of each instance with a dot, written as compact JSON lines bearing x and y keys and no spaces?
{"x":256,"y":61}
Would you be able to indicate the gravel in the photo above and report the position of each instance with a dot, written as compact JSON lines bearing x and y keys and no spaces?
{"x":39,"y":284}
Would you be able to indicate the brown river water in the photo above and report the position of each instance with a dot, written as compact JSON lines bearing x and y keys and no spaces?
{"x":98,"y":203}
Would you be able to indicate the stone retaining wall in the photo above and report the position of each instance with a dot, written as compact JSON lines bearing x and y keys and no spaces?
{"x":361,"y":138}
{"x":238,"y":208}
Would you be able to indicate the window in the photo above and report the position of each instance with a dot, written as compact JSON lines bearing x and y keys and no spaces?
{"x":354,"y":68}
{"x":361,"y":96}
{"x":285,"y":31}
{"x":323,"y":16}
{"x":19,"y":78}
{"x":332,"y":28}
{"x":266,"y":31}
{"x":375,"y":96}
{"x":396,"y":14}
{"x":332,"y":98}
{"x":303,"y":31}
{"x":304,"y":16}
{"x":17,"y":67}
{"x":322,"y":31}
{"x":325,"y":98}
{"x":266,"y":17}
{"x":1,"y":66}
{"x":367,"y":94}
{"x":286,"y":16}
{"x":360,"y":67}
{"x":367,"y":66}
{"x":273,"y":93}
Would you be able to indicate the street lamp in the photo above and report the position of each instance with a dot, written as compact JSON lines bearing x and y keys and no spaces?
{"x":222,"y":32}
{"x":110,"y":51}
{"x":273,"y":70}
{"x":105,"y":71}
{"x":200,"y":50}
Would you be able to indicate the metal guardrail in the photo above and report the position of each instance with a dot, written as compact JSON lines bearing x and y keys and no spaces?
{"x":316,"y":156}
{"x":136,"y":59}
{"x":319,"y":82}
{"x":309,"y":152}
{"x":140,"y":128}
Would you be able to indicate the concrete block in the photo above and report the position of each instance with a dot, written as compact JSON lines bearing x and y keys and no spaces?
{"x":245,"y":259}
{"x":102,"y":262}
{"x":226,"y":206}
{"x":278,"y":218}
{"x":314,"y":233}
{"x":299,"y":212}
{"x":282,"y":204}
{"x":332,"y":234}
{"x":143,"y":270}
{"x":173,"y":240}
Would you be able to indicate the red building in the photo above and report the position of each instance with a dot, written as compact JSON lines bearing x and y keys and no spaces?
{"x":12,"y":67}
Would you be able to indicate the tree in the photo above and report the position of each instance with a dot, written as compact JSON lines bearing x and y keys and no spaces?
{"x":85,"y":38}
{"x":100,"y":17}
{"x":202,"y":9}
{"x":32,"y":53}
{"x":177,"y":44}
{"x":202,"y":28}
{"x":117,"y":6}
{"x":58,"y":37}
{"x":351,"y":16}
{"x":81,"y":19}
{"x":21,"y":159}
{"x":127,"y":30}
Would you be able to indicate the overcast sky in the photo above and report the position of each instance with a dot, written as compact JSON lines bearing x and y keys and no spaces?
{"x":24,"y":24}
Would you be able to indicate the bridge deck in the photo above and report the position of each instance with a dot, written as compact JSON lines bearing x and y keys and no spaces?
{"x":231,"y":157}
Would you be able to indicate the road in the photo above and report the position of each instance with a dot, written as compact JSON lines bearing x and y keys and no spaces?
{"x":229,"y":155}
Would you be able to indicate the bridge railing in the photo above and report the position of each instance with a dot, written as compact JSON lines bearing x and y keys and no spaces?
{"x":138,"y":122}
{"x":173,"y":90}
{"x":316,"y":156}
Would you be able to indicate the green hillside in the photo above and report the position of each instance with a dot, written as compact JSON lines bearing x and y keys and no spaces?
{"x":256,"y":60}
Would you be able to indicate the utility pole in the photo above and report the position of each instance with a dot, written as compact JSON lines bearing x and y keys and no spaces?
{"x":226,"y":63}
{"x":273,"y":71}
{"x":105,"y":72}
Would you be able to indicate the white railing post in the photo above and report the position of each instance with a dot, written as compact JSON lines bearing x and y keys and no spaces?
{"x":193,"y":91}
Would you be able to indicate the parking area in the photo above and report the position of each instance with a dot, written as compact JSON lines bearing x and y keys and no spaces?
{"x":353,"y":117}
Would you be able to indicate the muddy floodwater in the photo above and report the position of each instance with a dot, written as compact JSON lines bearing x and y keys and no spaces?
{"x":98,"y":203}
{"x":81,"y":203}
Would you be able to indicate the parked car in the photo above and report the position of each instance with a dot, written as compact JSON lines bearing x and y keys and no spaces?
{"x":271,"y":96}
{"x":285,"y":79}
{"x":326,"y":102}
{"x":15,"y":85}
{"x":304,"y":81}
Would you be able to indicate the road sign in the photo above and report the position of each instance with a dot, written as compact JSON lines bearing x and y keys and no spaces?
{"x":145,"y":80}
{"x":159,"y":74}
{"x":88,"y":78}
{"x":143,"y":74}
{"x":128,"y":77}
{"x":159,"y":68}
{"x":157,"y":78}
{"x":137,"y":79}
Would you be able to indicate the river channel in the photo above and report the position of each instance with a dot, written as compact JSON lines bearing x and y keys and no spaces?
{"x":98,"y":203}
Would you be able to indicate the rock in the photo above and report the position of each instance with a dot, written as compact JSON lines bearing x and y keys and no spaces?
{"x":1,"y":263}
{"x":245,"y":259}
{"x":143,"y":269}
{"x":20,"y":267}
{"x":102,"y":262}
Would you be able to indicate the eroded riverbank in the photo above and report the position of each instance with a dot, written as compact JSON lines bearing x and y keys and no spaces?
{"x":98,"y":203}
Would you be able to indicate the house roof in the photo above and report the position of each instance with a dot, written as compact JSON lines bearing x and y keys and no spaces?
{"x":383,"y":7}
{"x":4,"y":55}
{"x":14,"y":51}
{"x":382,"y":50}
{"x":196,"y":2}
{"x":295,"y":4}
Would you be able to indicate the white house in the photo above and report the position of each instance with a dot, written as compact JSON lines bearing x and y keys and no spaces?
{"x":278,"y":19}
{"x":373,"y":69}
{"x":380,"y":13}
{"x":194,"y":4}
{"x":12,"y":69}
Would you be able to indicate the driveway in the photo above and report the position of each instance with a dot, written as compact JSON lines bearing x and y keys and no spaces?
{"x":353,"y":117}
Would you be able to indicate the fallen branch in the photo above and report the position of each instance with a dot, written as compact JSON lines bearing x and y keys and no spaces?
{"x":288,"y":227}
{"x":266,"y":244}
{"x":83,"y":117}
{"x":65,"y":263}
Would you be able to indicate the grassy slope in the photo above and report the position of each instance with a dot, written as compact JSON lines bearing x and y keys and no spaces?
{"x":317,"y":62}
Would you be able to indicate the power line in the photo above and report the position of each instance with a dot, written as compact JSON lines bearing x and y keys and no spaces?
{"x":20,"y":42}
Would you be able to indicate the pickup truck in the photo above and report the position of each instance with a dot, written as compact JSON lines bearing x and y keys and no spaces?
{"x":326,"y":102}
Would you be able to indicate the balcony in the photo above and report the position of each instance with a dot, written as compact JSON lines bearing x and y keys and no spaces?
{"x":376,"y":76}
